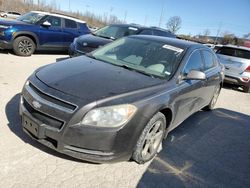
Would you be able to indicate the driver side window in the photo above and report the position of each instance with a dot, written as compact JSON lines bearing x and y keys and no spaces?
{"x":194,"y":63}
{"x":54,"y":21}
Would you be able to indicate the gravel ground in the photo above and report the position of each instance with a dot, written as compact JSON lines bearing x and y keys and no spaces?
{"x":215,"y":154}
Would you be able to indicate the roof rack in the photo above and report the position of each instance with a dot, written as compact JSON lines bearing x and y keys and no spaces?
{"x":64,"y":15}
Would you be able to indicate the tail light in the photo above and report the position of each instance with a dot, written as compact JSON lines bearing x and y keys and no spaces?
{"x":247,"y":69}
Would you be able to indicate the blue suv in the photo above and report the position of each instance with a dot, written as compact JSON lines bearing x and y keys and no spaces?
{"x":40,"y":31}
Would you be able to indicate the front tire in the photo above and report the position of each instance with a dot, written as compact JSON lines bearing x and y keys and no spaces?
{"x":214,"y":99}
{"x":24,"y":46}
{"x":246,"y":89}
{"x":150,"y":140}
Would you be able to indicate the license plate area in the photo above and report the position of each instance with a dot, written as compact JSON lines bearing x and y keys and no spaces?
{"x":32,"y":127}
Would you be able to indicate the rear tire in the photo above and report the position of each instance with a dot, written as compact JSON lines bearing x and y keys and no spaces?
{"x":246,"y":89}
{"x":214,"y":99}
{"x":24,"y":46}
{"x":150,"y":140}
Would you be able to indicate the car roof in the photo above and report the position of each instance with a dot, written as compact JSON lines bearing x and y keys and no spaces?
{"x":141,"y":27}
{"x":59,"y":15}
{"x":236,"y":47}
{"x":171,"y":41}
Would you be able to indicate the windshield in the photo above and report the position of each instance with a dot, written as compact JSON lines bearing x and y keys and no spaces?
{"x":31,"y":17}
{"x":154,"y":58}
{"x":115,"y":32}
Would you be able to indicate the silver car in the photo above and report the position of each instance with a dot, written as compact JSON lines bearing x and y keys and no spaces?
{"x":12,"y":15}
{"x":236,"y":60}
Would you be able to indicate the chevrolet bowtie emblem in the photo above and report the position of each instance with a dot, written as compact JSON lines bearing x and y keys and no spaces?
{"x":36,"y":104}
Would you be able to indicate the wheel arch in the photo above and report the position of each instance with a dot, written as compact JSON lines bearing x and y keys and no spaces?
{"x":168,"y":113}
{"x":27,"y":34}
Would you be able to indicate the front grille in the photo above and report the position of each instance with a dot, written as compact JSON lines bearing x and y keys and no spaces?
{"x":52,"y":99}
{"x":44,"y":118}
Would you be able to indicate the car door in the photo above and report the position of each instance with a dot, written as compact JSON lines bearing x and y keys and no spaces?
{"x":212,"y":72}
{"x":51,"y":36}
{"x":71,"y":30}
{"x":190,"y":97}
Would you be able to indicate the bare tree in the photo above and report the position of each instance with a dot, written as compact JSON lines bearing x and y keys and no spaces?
{"x":174,"y":24}
{"x":228,"y":38}
{"x":246,"y":35}
{"x":206,"y":32}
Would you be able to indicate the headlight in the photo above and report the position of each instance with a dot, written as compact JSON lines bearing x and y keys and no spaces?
{"x":5,"y":26}
{"x":112,"y":116}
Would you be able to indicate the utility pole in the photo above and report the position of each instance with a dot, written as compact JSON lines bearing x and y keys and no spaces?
{"x":69,"y":5}
{"x":218,"y":32}
{"x":146,"y":19}
{"x":125,"y":16}
{"x":162,"y":10}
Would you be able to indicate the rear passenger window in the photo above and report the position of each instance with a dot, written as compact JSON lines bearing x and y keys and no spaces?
{"x":162,"y":33}
{"x":70,"y":24}
{"x":146,"y":32}
{"x":209,"y":60}
{"x":194,"y":63}
{"x":54,"y":21}
{"x":226,"y":51}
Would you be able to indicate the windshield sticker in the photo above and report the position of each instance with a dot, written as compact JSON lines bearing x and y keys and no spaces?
{"x":167,"y":73}
{"x":179,"y":50}
{"x":133,"y":28}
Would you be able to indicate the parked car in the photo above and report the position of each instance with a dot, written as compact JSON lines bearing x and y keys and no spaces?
{"x":209,"y":45}
{"x":40,"y":31}
{"x":121,"y":100}
{"x":88,"y":43}
{"x":236,"y":60}
{"x":12,"y":15}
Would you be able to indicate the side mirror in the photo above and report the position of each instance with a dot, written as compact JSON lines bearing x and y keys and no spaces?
{"x":195,"y":75}
{"x":46,"y":24}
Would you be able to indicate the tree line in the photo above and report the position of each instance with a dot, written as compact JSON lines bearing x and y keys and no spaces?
{"x":23,"y":6}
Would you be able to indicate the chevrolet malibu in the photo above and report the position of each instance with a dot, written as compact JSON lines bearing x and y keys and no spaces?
{"x":120,"y":101}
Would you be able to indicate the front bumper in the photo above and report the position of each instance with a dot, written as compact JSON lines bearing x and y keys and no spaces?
{"x":5,"y":45}
{"x":73,"y":52}
{"x":86,"y":143}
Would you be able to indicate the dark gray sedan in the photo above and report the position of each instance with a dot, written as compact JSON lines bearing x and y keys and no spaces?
{"x":120,"y":101}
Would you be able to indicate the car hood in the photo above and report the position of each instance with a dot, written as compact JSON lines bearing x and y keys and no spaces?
{"x":93,"y":80}
{"x":92,"y":40}
{"x":12,"y":22}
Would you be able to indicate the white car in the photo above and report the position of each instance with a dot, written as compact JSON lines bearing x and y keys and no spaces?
{"x":12,"y":15}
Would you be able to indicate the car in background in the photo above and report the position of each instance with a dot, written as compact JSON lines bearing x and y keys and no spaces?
{"x":12,"y":15}
{"x":121,"y":100}
{"x":40,"y":31}
{"x":236,"y":60}
{"x":93,"y":29}
{"x":209,"y":45}
{"x":87,"y":43}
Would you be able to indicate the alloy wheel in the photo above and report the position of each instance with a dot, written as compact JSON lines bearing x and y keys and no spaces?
{"x":153,"y":140}
{"x":25,"y":47}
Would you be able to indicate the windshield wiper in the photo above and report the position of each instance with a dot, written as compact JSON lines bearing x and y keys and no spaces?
{"x":106,"y":37}
{"x":136,"y":70}
{"x":90,"y":56}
